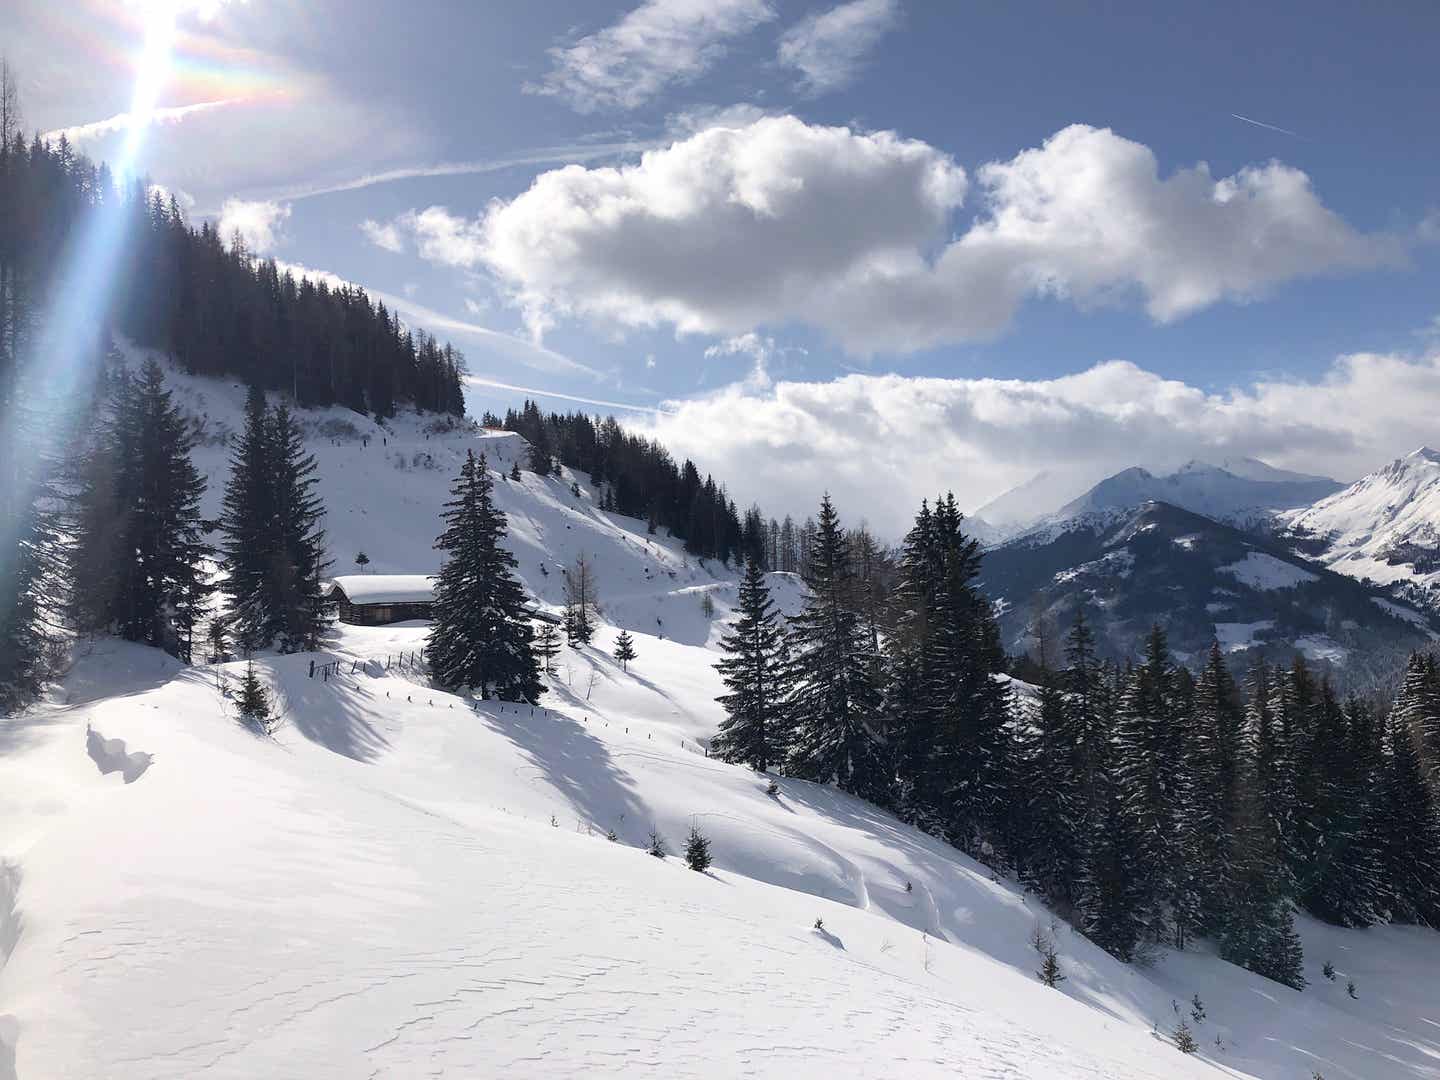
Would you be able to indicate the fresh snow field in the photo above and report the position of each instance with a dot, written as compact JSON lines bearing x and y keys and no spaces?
{"x":397,"y":884}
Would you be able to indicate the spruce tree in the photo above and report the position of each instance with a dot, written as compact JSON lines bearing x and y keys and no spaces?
{"x":138,"y":550}
{"x":298,"y":542}
{"x":481,"y":637}
{"x":752,"y":672}
{"x":833,"y":708}
{"x":1214,"y":760}
{"x":1054,"y":809}
{"x":697,"y":850}
{"x":624,"y":649}
{"x":1114,"y":895}
{"x":253,"y":701}
{"x":24,"y":634}
{"x":1407,"y":826}
{"x":247,"y":524}
{"x":1148,"y":758}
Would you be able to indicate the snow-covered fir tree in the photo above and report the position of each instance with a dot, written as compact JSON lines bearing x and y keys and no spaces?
{"x":752,"y":732}
{"x":624,"y":649}
{"x":481,"y":638}
{"x":138,"y":553}
{"x":832,"y":712}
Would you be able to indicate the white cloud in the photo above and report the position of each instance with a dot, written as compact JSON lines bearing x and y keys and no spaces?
{"x":659,"y":43}
{"x":386,"y":236}
{"x":778,"y":221}
{"x":828,"y":48}
{"x":881,"y":443}
{"x":260,"y":222}
{"x":442,"y":237}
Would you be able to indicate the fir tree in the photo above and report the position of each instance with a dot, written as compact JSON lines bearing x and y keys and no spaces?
{"x":361,"y":561}
{"x":624,"y":649}
{"x":25,"y":637}
{"x":298,"y":548}
{"x":833,"y":705}
{"x":1148,"y":755}
{"x":481,"y":638}
{"x":1054,"y":810}
{"x":1214,"y":764}
{"x":1407,"y":826}
{"x":697,"y":850}
{"x":247,"y":524}
{"x":138,"y":551}
{"x":253,"y":701}
{"x":751,"y":670}
{"x":515,"y":470}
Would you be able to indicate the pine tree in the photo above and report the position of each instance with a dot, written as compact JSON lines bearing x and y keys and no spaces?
{"x":1407,"y":826}
{"x":697,"y":851}
{"x":515,"y":470}
{"x":1054,"y":809}
{"x":361,"y":561}
{"x":481,"y":637}
{"x":1148,"y":768}
{"x":751,"y":670}
{"x":624,"y":649}
{"x":247,"y":524}
{"x":253,"y":702}
{"x":25,"y":637}
{"x":1114,"y":896}
{"x":1214,"y":764}
{"x":138,"y":551}
{"x":298,"y":551}
{"x":833,"y":705}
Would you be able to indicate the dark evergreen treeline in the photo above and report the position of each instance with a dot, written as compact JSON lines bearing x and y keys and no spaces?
{"x":1148,"y":805}
{"x":213,"y":306}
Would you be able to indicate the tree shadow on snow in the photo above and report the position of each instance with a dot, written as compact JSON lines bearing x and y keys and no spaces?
{"x":576,"y":764}
{"x":333,"y":714}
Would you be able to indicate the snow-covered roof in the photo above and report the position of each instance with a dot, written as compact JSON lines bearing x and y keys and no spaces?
{"x":386,"y":588}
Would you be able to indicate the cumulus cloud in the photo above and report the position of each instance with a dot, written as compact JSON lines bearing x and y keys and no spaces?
{"x":881,"y":443}
{"x":828,"y":48}
{"x":259,"y":222}
{"x":777,"y":221}
{"x":656,"y":45}
{"x":383,"y":235}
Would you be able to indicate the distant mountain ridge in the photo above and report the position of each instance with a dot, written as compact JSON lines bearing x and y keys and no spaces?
{"x":1385,"y":527}
{"x":1203,"y":581}
{"x":1239,"y":491}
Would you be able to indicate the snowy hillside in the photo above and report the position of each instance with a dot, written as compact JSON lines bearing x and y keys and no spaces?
{"x":1385,"y":527}
{"x":396,"y":885}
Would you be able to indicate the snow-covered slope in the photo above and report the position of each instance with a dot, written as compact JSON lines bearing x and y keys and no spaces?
{"x":396,"y":885}
{"x":1385,"y":527}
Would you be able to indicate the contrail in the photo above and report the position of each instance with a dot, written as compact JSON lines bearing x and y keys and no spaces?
{"x":480,"y":380}
{"x":1268,"y":127}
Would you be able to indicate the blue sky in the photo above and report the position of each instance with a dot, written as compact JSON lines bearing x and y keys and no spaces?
{"x":814,"y":265}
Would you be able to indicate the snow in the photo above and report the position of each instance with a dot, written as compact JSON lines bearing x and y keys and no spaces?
{"x":387,"y":588}
{"x":1320,"y":647}
{"x":396,"y":884}
{"x":1235,"y":636}
{"x":1372,"y":525}
{"x":1261,"y":571}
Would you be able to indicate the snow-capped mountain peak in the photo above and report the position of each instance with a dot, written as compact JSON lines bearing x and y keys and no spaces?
{"x":1385,"y":526}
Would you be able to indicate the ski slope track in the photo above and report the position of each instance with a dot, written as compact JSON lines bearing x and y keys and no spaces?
{"x":397,"y":883}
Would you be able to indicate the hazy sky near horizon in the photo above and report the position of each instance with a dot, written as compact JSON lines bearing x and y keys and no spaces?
{"x":879,"y":246}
